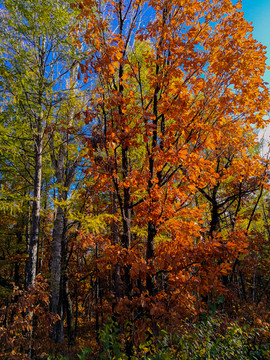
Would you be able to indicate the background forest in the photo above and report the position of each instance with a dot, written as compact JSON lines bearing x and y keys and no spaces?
{"x":134,"y":201}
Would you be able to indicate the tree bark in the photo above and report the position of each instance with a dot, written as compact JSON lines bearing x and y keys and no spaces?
{"x":150,"y":254}
{"x":56,"y":251}
{"x":64,"y":173}
{"x":34,"y":235}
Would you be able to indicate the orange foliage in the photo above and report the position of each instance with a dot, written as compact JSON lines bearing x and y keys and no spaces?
{"x":172,"y":124}
{"x":26,"y":323}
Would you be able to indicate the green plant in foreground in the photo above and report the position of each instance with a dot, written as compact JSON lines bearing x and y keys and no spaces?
{"x":208,"y":339}
{"x":83,"y":354}
{"x":111,"y":341}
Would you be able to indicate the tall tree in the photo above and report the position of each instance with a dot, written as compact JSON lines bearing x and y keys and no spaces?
{"x":38,"y":83}
{"x":156,"y":118}
{"x":66,"y":156}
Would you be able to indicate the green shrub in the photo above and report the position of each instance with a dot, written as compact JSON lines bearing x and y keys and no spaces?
{"x":208,"y":339}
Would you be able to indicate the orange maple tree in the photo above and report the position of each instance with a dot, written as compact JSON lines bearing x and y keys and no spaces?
{"x":178,"y":94}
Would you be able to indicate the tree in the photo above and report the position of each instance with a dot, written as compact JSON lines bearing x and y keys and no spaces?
{"x":42,"y":96}
{"x":65,"y":159}
{"x":176,"y":96}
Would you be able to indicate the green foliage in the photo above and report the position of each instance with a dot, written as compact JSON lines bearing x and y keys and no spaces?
{"x":110,"y":339}
{"x":83,"y":354}
{"x":208,"y":339}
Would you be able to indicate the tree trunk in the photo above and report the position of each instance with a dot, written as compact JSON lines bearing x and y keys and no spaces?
{"x":59,"y":284}
{"x":150,"y":254}
{"x":126,"y":220}
{"x":116,"y":270}
{"x":34,"y":235}
{"x":64,"y":174}
{"x":56,"y":256}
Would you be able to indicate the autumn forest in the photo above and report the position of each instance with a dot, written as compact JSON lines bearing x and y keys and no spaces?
{"x":134,"y":199}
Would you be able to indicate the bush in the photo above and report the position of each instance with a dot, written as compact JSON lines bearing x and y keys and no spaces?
{"x":209,"y":339}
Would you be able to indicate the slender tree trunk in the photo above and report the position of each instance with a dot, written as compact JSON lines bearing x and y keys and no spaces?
{"x":60,"y":297}
{"x":67,"y":302}
{"x":214,"y":224}
{"x":76,"y":310}
{"x":37,"y":123}
{"x":56,"y":306}
{"x":34,"y":235}
{"x":150,"y":254}
{"x":35,"y":226}
{"x":27,"y":239}
{"x":64,"y":173}
{"x":19,"y":236}
{"x":126,"y":220}
{"x":151,"y":230}
{"x":116,"y":270}
{"x":69,"y":310}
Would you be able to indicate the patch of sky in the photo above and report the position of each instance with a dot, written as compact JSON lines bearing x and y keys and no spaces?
{"x":258,"y":12}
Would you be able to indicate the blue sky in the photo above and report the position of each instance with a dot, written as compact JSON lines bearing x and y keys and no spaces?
{"x":258,"y":12}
